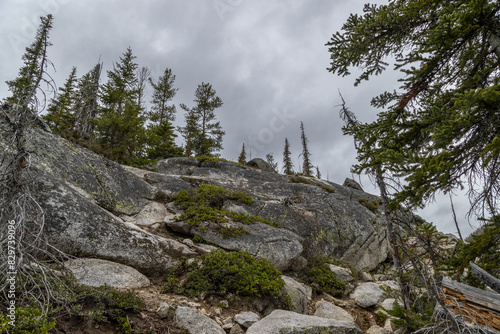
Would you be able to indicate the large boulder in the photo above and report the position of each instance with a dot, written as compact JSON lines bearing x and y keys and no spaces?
{"x":367,"y":294}
{"x":286,"y":322}
{"x":197,"y":323}
{"x":95,"y":272}
{"x":299,"y":293}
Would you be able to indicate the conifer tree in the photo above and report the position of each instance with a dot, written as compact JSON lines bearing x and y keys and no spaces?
{"x":318,"y":174}
{"x":160,"y":135}
{"x":120,"y":123}
{"x":242,"y":159}
{"x":306,"y":164}
{"x":203,"y":134}
{"x":86,"y":103}
{"x":287,"y":161}
{"x":271,"y":162}
{"x":60,"y":116}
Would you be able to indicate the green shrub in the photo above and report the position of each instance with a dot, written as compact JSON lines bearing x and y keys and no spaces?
{"x":205,"y":205}
{"x":28,"y":321}
{"x":370,"y":205}
{"x":219,"y":273}
{"x":413,"y":319}
{"x":322,"y":279}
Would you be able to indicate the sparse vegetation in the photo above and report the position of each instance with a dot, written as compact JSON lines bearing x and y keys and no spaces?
{"x":322,"y":279}
{"x":372,"y":205}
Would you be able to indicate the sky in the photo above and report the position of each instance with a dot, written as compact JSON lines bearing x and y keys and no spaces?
{"x":267,"y":61}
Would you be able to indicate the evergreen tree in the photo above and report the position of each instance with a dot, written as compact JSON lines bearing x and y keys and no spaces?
{"x":201,"y":133}
{"x":287,"y":161}
{"x":271,"y":162}
{"x":143,"y":75}
{"x":60,"y":117}
{"x":306,"y":164}
{"x":161,"y":136}
{"x":86,"y":103}
{"x":120,"y":123}
{"x":242,"y":159}
{"x":318,"y":174}
{"x":442,"y":126}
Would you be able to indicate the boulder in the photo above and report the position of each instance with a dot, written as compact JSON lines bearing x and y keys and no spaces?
{"x":327,"y":310}
{"x":163,"y":310}
{"x":150,"y":214}
{"x":261,"y":164}
{"x":367,"y":294}
{"x":350,"y":183}
{"x":342,"y":273}
{"x":95,"y":272}
{"x":286,"y":322}
{"x":197,"y":323}
{"x":246,"y":319}
{"x":79,"y":227}
{"x":378,"y":330}
{"x":299,"y":293}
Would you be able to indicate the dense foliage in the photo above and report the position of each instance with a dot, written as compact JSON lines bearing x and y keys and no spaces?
{"x":442,"y":127}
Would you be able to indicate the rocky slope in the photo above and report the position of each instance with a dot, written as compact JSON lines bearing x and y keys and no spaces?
{"x":98,"y":209}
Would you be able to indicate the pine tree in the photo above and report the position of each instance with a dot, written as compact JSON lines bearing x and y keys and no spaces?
{"x":60,"y":117}
{"x":441,"y":128}
{"x":160,"y":134}
{"x":242,"y":159}
{"x":120,"y":123}
{"x":318,"y":174}
{"x":287,"y":161}
{"x":201,"y":132}
{"x":86,"y":103}
{"x":306,"y":164}
{"x":271,"y":162}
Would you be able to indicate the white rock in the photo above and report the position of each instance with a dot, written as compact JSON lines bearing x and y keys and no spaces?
{"x":367,"y":294}
{"x":163,"y":310}
{"x":327,"y":310}
{"x":377,"y":330}
{"x":195,"y":322}
{"x":152,"y":213}
{"x":246,"y":319}
{"x":96,"y":272}
{"x":388,"y":304}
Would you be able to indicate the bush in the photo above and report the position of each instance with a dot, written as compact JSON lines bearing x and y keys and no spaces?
{"x":28,"y":321}
{"x":370,"y":205}
{"x":205,"y":204}
{"x":322,"y":279}
{"x":219,"y":273}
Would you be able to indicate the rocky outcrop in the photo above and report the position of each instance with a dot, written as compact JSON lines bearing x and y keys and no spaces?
{"x":287,"y":322}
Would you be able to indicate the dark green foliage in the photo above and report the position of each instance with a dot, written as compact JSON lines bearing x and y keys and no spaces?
{"x":413,"y":319}
{"x":220,"y":273}
{"x":306,"y":161}
{"x":442,"y":126}
{"x":205,"y":205}
{"x":372,"y":205}
{"x":202,"y":134}
{"x":242,"y":159}
{"x":322,"y":279}
{"x":483,"y":249}
{"x":60,"y":116}
{"x":287,"y":161}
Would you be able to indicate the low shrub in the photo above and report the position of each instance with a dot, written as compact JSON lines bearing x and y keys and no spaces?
{"x":322,"y":279}
{"x":373,"y":205}
{"x":220,"y":273}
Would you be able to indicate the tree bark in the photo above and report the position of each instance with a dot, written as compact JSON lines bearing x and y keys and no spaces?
{"x":486,"y":278}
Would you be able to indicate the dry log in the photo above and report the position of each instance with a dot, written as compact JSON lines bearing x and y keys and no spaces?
{"x":476,"y":305}
{"x":486,"y":278}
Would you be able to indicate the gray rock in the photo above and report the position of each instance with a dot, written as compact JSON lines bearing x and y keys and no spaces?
{"x":95,"y":272}
{"x":327,"y":310}
{"x":388,"y":304}
{"x":236,"y":329}
{"x":246,"y":319}
{"x":350,"y":183}
{"x":299,"y":293}
{"x":150,"y":214}
{"x":378,"y":330}
{"x":342,"y":273}
{"x":197,"y":323}
{"x":81,"y":228}
{"x":367,"y":294}
{"x":162,"y":311}
{"x":286,"y":322}
{"x":261,"y":164}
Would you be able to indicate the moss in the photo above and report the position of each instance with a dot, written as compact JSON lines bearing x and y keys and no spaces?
{"x":322,"y":279}
{"x":205,"y":206}
{"x":220,"y":273}
{"x":373,"y":206}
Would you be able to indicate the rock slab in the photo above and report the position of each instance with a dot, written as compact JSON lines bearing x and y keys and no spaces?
{"x":286,"y":322}
{"x":197,"y":323}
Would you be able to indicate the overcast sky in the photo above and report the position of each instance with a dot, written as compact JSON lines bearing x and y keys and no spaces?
{"x":266,"y":59}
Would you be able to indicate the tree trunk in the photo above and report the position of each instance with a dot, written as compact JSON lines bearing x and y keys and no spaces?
{"x":486,"y":278}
